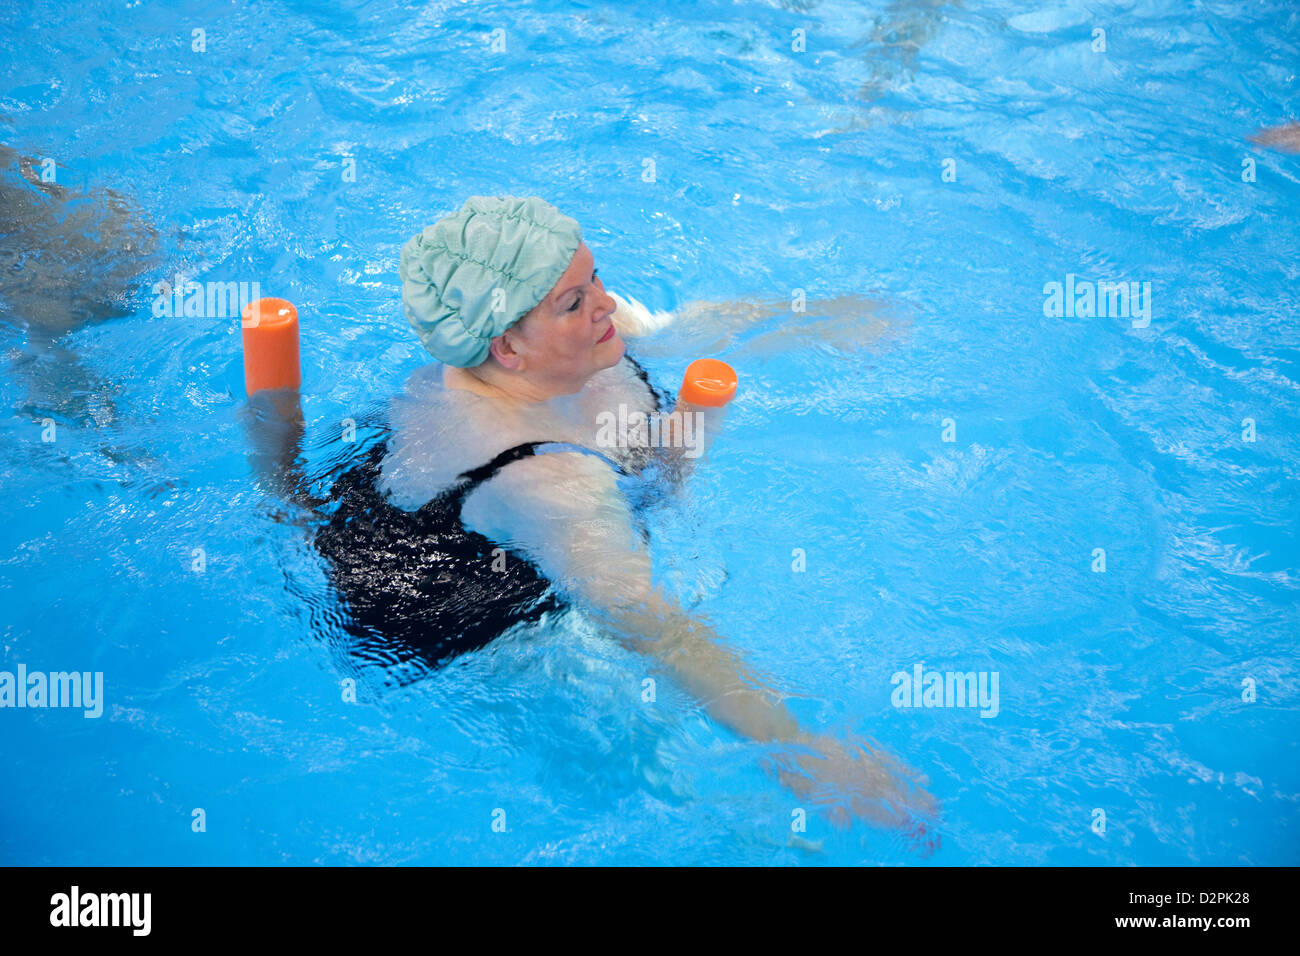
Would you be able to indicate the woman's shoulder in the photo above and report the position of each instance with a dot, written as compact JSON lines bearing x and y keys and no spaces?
{"x":438,"y":433}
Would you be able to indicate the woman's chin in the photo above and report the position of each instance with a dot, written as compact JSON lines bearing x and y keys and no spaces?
{"x":611,"y":352}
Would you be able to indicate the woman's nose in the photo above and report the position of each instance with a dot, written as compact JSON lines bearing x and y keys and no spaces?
{"x":607,"y":308}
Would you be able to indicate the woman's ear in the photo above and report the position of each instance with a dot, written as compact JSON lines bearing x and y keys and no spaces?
{"x":503,"y":350}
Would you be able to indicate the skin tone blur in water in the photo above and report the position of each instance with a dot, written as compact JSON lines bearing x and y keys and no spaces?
{"x":1285,"y":138}
{"x":69,"y":257}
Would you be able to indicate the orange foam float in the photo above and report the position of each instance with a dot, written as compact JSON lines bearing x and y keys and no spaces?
{"x":710,"y":383}
{"x":270,"y":329}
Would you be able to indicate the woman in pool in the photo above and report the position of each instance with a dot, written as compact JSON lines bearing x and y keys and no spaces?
{"x":499,"y":447}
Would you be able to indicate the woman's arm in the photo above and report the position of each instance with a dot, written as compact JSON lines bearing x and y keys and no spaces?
{"x":565,"y":511}
{"x":757,"y":327}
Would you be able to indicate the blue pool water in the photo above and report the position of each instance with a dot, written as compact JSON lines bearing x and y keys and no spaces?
{"x":1121,"y":692}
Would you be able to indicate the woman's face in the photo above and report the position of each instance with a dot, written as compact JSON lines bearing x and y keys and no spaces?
{"x":569,"y":335}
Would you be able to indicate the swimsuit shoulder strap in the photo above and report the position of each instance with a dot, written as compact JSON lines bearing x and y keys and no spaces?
{"x":645,"y":377}
{"x":467,"y":481}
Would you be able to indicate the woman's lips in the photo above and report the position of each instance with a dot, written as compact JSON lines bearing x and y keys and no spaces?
{"x":609,"y":334}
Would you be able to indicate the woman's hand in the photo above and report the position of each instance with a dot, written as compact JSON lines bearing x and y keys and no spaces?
{"x":856,"y":780}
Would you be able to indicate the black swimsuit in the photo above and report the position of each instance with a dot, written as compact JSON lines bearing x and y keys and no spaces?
{"x":418,"y":585}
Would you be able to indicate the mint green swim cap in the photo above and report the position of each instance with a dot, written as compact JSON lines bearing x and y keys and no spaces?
{"x":451,"y":272}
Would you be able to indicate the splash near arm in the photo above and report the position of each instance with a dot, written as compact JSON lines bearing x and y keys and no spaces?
{"x":632,"y":319}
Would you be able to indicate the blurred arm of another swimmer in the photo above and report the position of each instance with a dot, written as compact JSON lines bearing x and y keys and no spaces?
{"x":1285,"y":138}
